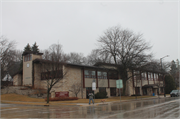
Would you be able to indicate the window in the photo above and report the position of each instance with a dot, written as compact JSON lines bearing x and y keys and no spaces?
{"x":136,"y":75}
{"x":155,"y":76}
{"x":150,"y":76}
{"x":28,"y":57}
{"x":112,"y":75}
{"x":89,"y":74}
{"x":143,"y":76}
{"x":160,"y":77}
{"x":102,"y":75}
{"x":51,"y":75}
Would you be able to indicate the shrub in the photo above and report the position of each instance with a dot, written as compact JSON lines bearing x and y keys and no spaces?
{"x":61,"y":98}
{"x":101,"y":95}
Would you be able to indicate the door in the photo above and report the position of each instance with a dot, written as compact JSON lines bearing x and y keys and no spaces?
{"x":113,"y":91}
{"x":137,"y":89}
{"x":144,"y":91}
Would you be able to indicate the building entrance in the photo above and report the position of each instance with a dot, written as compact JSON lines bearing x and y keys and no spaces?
{"x":113,"y":91}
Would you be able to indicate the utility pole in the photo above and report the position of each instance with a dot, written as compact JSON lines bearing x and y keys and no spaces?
{"x":163,"y":76}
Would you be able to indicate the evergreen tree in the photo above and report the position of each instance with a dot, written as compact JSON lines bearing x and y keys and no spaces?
{"x":35,"y":48}
{"x":27,"y":48}
{"x":170,"y":84}
{"x":173,"y":68}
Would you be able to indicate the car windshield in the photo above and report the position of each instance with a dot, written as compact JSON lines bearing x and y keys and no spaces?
{"x":174,"y":91}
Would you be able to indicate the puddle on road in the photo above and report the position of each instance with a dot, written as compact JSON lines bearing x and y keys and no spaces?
{"x":115,"y":110}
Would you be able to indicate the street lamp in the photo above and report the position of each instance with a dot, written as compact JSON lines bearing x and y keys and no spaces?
{"x":161,"y":70}
{"x":161,"y":60}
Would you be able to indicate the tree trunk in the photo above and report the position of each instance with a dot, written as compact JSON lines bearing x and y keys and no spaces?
{"x":124,"y":77}
{"x":47,"y":95}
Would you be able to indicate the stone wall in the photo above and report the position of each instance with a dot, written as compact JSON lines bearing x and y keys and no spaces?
{"x":21,"y":90}
{"x":17,"y":80}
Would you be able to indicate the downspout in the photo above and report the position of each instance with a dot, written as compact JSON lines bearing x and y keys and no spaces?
{"x":141,"y":82}
{"x":82,"y":83}
{"x":32,"y":74}
{"x":153,"y":78}
{"x":108,"y":78}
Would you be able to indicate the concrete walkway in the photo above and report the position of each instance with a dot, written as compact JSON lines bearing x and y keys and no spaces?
{"x":122,"y":101}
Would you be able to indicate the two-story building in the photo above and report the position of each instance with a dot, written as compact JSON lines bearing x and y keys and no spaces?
{"x":143,"y":81}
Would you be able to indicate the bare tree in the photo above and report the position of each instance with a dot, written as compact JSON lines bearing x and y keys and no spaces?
{"x":95,"y":56}
{"x":76,"y":88}
{"x":75,"y":58}
{"x":53,"y":70}
{"x":6,"y":55}
{"x":126,"y":48}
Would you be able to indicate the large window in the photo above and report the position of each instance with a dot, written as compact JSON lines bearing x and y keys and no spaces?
{"x":150,"y":76}
{"x":51,"y":75}
{"x":28,"y":57}
{"x":112,"y":75}
{"x":89,"y":74}
{"x":155,"y":76}
{"x":136,"y":75}
{"x":160,"y":77}
{"x":143,"y":76}
{"x":102,"y":75}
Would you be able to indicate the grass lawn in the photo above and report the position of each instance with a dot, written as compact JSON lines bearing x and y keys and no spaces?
{"x":26,"y":99}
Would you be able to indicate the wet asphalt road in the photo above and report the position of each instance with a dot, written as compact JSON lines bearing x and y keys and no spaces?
{"x":154,"y":108}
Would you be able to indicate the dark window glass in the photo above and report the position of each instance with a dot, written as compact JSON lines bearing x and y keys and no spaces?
{"x":112,"y":75}
{"x":89,"y":74}
{"x":102,"y":75}
{"x":51,"y":75}
{"x":27,"y":57}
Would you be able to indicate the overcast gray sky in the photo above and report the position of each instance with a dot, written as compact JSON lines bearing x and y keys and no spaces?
{"x":77,"y":25}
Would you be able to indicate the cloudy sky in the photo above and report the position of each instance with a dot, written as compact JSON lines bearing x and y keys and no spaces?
{"x":77,"y":25}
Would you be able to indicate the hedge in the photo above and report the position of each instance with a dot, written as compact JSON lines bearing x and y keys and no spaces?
{"x":61,"y":98}
{"x":101,"y":95}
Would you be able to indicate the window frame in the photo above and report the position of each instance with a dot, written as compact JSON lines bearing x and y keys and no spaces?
{"x":27,"y":57}
{"x":50,"y":75}
{"x":89,"y":74}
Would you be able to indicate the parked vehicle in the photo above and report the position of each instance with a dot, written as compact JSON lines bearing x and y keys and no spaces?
{"x":175,"y":93}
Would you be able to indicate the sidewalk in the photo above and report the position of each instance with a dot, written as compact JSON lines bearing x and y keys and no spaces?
{"x":75,"y":104}
{"x":122,"y":101}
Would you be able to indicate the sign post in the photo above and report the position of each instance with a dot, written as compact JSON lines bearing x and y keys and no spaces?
{"x":119,"y":84}
{"x":94,"y":87}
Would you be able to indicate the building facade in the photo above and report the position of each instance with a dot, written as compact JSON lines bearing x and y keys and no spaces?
{"x":144,"y":82}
